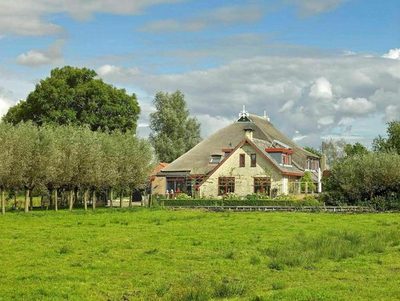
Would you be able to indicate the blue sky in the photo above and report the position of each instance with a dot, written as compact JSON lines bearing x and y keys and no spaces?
{"x":321,"y":69}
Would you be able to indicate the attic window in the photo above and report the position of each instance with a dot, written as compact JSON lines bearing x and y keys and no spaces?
{"x":215,"y":159}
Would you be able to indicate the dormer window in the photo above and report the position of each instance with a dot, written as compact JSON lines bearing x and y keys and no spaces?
{"x":281,"y":155}
{"x":286,"y":159}
{"x":215,"y":159}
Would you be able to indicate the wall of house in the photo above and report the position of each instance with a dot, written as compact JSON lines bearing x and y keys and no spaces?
{"x":159,"y":185}
{"x":244,"y":176}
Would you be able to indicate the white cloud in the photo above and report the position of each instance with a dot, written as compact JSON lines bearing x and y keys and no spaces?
{"x":5,"y":101}
{"x":312,"y":7}
{"x":322,"y":88}
{"x":33,"y":58}
{"x":282,"y":86}
{"x":355,"y":106}
{"x":29,"y":17}
{"x":221,"y":16}
{"x":393,"y":54}
{"x":392,"y":112}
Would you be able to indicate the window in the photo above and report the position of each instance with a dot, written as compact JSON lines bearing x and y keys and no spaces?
{"x":215,"y":159}
{"x":253,"y":158}
{"x":242,"y":160}
{"x":286,"y":159}
{"x":262,"y":185}
{"x":312,"y":164}
{"x":226,"y":185}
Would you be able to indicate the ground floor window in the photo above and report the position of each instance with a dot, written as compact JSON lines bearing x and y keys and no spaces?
{"x":176,"y":184}
{"x":262,"y":185}
{"x":226,"y":185}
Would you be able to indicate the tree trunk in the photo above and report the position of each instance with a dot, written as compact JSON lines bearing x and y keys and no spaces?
{"x":130,"y":199}
{"x":3,"y":201}
{"x":111,"y":197}
{"x":15,"y":200}
{"x":94,"y":200}
{"x":30,"y":199}
{"x":120,"y":200}
{"x":51,"y":200}
{"x":85,"y":197}
{"x":26,"y":208}
{"x":71,"y":199}
{"x":55,"y":200}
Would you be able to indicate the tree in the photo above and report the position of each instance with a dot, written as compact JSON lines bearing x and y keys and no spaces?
{"x":365,"y":177}
{"x":75,"y":96}
{"x":313,"y":150}
{"x":355,"y":149}
{"x":392,"y":142}
{"x":173,"y":131}
{"x":333,"y":150}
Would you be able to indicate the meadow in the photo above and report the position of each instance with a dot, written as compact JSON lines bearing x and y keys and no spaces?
{"x":155,"y":254}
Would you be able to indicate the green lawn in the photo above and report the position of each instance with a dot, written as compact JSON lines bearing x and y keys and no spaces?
{"x":193,"y":255}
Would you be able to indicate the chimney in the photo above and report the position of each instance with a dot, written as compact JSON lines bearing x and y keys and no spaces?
{"x":266,"y":117}
{"x":249,"y":133}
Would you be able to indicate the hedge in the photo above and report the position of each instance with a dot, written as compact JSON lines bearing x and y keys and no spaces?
{"x":220,"y":202}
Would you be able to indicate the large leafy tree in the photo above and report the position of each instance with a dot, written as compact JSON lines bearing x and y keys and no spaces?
{"x":355,"y":149}
{"x":392,"y":142}
{"x":76,"y":96}
{"x":174,"y":132}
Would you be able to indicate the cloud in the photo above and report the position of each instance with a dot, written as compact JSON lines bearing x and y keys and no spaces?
{"x":321,"y":88}
{"x":355,"y":106}
{"x":393,"y":54}
{"x":290,"y":89}
{"x":313,"y":7}
{"x":33,"y":58}
{"x":221,"y":16}
{"x":5,"y":101}
{"x":29,"y":17}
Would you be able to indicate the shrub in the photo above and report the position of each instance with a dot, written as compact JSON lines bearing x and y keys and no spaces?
{"x":282,"y":201}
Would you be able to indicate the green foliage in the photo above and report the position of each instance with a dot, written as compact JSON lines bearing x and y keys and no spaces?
{"x":355,"y":149}
{"x":70,"y":158}
{"x":361,"y":178}
{"x":76,"y":96}
{"x":313,"y":150}
{"x":392,"y":142}
{"x":307,"y":182}
{"x":173,"y":131}
{"x":281,"y":201}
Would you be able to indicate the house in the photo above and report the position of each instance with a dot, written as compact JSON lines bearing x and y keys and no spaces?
{"x":248,"y":156}
{"x":158,"y":184}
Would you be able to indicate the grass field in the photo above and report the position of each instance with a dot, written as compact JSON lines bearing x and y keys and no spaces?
{"x":143,"y":254}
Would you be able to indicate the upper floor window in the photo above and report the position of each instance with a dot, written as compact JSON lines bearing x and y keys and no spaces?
{"x":312,"y":164}
{"x":242,"y":162}
{"x":215,"y":159}
{"x":253,"y":159}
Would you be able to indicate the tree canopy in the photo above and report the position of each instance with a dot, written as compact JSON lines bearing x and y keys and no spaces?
{"x":392,"y":142}
{"x":71,"y":159}
{"x":174,"y":132}
{"x":76,"y":96}
{"x":355,"y":149}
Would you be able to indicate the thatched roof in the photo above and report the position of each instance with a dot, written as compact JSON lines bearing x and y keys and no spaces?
{"x":196,"y":161}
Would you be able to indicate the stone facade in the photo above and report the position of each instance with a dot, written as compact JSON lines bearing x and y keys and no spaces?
{"x":244,"y":176}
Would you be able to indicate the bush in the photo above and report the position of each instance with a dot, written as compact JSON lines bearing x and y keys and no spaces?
{"x":372,"y":179}
{"x":281,"y":201}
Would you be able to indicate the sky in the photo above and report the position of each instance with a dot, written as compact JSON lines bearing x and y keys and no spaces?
{"x":320,"y":69}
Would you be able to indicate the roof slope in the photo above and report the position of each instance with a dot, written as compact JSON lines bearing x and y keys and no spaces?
{"x":196,"y":160}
